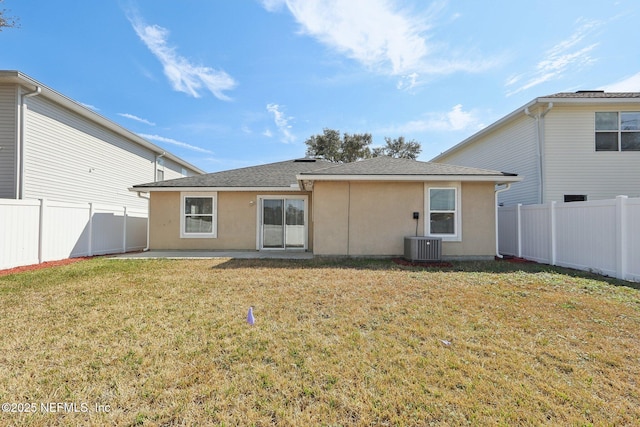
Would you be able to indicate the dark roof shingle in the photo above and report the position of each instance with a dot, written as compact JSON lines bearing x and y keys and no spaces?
{"x":391,"y":166}
{"x":280,"y":174}
{"x":593,"y":94}
{"x":283,"y":174}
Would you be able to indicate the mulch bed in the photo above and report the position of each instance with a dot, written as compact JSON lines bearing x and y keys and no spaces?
{"x":424,"y":264}
{"x":40,"y":266}
{"x":515,"y":260}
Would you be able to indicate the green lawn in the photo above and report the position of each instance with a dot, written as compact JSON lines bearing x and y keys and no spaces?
{"x":351,"y":342}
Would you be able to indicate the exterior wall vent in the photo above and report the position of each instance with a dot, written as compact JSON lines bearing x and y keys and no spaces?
{"x":417,"y":248}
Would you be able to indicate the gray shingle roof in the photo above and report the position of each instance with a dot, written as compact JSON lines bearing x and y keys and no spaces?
{"x":280,"y":174}
{"x":391,"y":166}
{"x":283,"y":174}
{"x":593,"y":94}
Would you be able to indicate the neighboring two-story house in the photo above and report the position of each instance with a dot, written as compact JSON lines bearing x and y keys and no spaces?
{"x":567,"y":147}
{"x":52,"y":147}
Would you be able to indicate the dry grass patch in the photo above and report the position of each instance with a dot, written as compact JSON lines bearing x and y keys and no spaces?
{"x":335,"y":343}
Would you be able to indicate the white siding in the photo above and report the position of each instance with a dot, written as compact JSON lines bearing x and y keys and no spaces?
{"x":510,"y":148}
{"x":69,"y":158}
{"x":8,"y":122}
{"x":172,"y":170}
{"x":572,"y":166}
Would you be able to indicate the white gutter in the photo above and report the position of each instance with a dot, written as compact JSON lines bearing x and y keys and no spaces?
{"x":20,"y":140}
{"x":539,"y":118}
{"x":500,"y":179}
{"x":178,"y":189}
{"x":498,"y":191}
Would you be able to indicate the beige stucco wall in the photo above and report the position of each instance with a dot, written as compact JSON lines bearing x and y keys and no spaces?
{"x":478,"y":222}
{"x":372,"y":218}
{"x":236,"y":223}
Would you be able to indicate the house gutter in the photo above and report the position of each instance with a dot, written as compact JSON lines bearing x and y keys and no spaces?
{"x":20,"y":140}
{"x":539,"y":118}
{"x":498,"y":191}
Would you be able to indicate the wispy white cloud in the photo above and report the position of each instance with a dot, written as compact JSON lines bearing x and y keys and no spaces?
{"x":454,"y":120}
{"x":282,"y":123}
{"x":136,"y":118}
{"x":570,"y":54}
{"x":380,"y":35}
{"x":184,"y":76}
{"x":629,"y":84}
{"x":89,"y":106}
{"x":159,"y":138}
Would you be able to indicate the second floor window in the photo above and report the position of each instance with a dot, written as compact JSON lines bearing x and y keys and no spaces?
{"x":618,"y":131}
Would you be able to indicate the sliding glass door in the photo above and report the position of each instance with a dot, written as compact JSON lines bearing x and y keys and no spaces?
{"x":284,"y":224}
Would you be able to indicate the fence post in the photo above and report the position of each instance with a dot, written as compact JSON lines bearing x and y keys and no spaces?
{"x":519,"y":231}
{"x":552,"y":218}
{"x":621,"y":237}
{"x":90,"y":234}
{"x":41,"y":230}
{"x":124,"y":231}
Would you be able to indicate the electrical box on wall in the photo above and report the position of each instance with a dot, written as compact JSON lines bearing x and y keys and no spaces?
{"x":416,"y":215}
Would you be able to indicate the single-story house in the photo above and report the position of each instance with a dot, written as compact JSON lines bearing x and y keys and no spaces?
{"x":364,"y":208}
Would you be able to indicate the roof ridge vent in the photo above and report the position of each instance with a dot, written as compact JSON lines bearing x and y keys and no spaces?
{"x":305,"y":160}
{"x":590,"y":91}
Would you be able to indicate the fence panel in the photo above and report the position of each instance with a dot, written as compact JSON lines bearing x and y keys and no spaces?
{"x":33,"y":231}
{"x":19,"y":232}
{"x":136,"y":230}
{"x":601,"y":236}
{"x":65,"y":232}
{"x":110,"y":222}
{"x":508,"y":230}
{"x":536,"y":229}
{"x":633,"y":239}
{"x":586,"y":236}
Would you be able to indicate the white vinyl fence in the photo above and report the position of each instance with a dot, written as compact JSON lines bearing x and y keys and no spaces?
{"x":35,"y":231}
{"x":602,"y":236}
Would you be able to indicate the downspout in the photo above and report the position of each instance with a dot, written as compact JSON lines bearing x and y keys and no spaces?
{"x":498,"y":191}
{"x":22,"y":112}
{"x":148,"y":198}
{"x":539,"y":118}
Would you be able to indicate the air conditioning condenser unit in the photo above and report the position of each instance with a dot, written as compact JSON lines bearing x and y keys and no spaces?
{"x":418,"y":248}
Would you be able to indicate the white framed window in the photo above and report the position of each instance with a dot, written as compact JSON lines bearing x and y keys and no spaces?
{"x":198,"y":215}
{"x":618,"y":131}
{"x":443,"y":208}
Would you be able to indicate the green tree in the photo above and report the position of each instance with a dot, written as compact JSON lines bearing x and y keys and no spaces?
{"x":7,"y":21}
{"x":334,"y":148}
{"x":399,"y":148}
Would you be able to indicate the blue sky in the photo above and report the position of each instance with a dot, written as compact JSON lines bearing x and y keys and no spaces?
{"x":226,"y":84}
